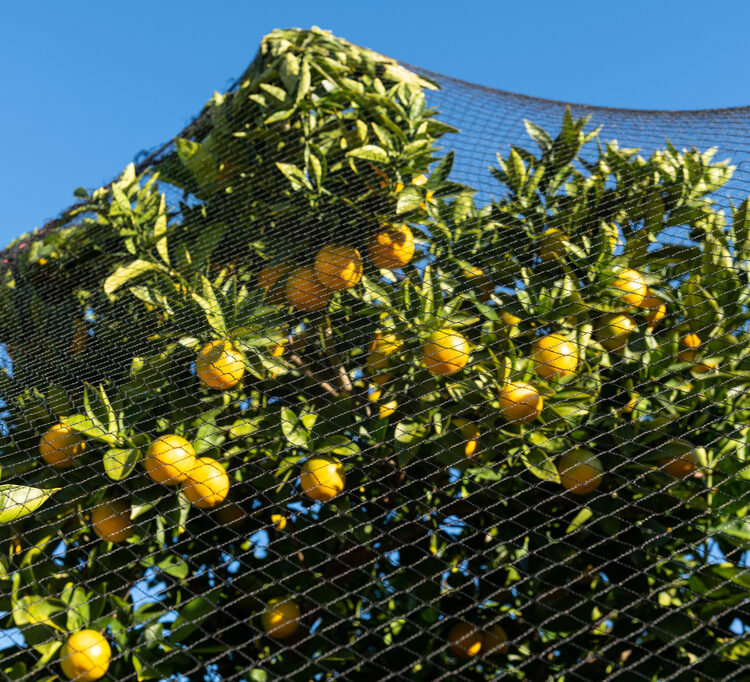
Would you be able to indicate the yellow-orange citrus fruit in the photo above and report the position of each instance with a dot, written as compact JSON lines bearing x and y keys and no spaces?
{"x":657,"y":309}
{"x":304,"y":292}
{"x":580,"y":471}
{"x":207,"y":483}
{"x":281,"y":619}
{"x":322,"y":478}
{"x":111,"y":521}
{"x":391,"y":248}
{"x":465,"y":640}
{"x":689,"y":342}
{"x":387,"y":409}
{"x":520,"y":402}
{"x":494,"y":641}
{"x":632,"y":285}
{"x":446,"y":352}
{"x":169,"y":459}
{"x":374,"y":395}
{"x":614,"y":330}
{"x":279,"y":521}
{"x":478,"y":278}
{"x":338,"y":267}
{"x":470,"y":432}
{"x":381,"y":349}
{"x":551,"y":244}
{"x":270,"y":275}
{"x":219,"y":365}
{"x":85,"y":656}
{"x":507,"y":324}
{"x":60,"y":445}
{"x":681,"y":460}
{"x":554,"y":356}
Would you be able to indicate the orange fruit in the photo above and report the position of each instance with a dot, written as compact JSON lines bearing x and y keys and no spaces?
{"x":85,"y":656}
{"x":690,"y":343}
{"x":304,"y":292}
{"x":446,"y":352}
{"x":219,"y":365}
{"x":551,"y":244}
{"x":169,"y":459}
{"x":391,"y":248}
{"x":632,"y":285}
{"x":657,"y":309}
{"x":338,"y":267}
{"x":207,"y":483}
{"x":60,"y":445}
{"x":494,"y":641}
{"x":322,"y":478}
{"x":111,"y":521}
{"x":270,"y":275}
{"x":613,"y":331}
{"x":681,"y":460}
{"x":465,"y":640}
{"x":580,"y":471}
{"x":554,"y":356}
{"x":470,"y":432}
{"x":520,"y":402}
{"x":478,"y":278}
{"x":281,"y":619}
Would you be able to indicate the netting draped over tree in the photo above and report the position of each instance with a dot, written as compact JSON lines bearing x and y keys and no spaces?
{"x":372,"y":374}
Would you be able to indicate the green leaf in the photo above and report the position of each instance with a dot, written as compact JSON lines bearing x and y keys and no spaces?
{"x":160,"y":231}
{"x":124,"y":273}
{"x":198,"y":161}
{"x":295,"y":175}
{"x":580,"y":518}
{"x":370,"y":152}
{"x":120,"y":462}
{"x":17,"y":501}
{"x":85,"y":425}
{"x":539,"y":463}
{"x":292,"y":429}
{"x":211,"y":307}
{"x":192,"y":615}
{"x":338,"y":445}
{"x":409,"y":199}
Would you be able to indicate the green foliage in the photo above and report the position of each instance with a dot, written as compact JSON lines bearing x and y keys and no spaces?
{"x":324,"y":142}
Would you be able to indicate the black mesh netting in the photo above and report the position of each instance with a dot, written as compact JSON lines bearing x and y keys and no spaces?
{"x":371,"y":374}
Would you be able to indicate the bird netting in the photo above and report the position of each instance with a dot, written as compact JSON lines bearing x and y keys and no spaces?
{"x":371,"y":374}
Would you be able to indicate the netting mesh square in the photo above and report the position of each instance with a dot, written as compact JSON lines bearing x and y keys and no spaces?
{"x":371,"y":374}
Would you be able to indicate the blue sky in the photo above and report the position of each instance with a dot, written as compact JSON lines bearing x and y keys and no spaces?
{"x":87,"y":85}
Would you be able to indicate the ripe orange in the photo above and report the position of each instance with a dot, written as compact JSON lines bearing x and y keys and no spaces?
{"x":60,"y":446}
{"x":338,"y":267}
{"x":613,"y":331}
{"x":169,"y":459}
{"x":111,"y":521}
{"x":479,"y":279}
{"x":85,"y":656}
{"x":494,"y":641}
{"x":554,"y":356}
{"x":270,"y":275}
{"x":207,"y":483}
{"x":470,"y":432}
{"x":580,"y":471}
{"x":632,"y":285}
{"x":520,"y":402}
{"x":465,"y":640}
{"x":281,"y":619}
{"x":304,"y":292}
{"x":657,"y":309}
{"x":446,"y":352}
{"x":391,"y":248}
{"x":322,"y":478}
{"x":219,"y":365}
{"x":690,"y":343}
{"x":681,"y":460}
{"x":551,"y":244}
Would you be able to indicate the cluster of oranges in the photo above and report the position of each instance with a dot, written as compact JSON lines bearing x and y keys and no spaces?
{"x":337,"y":267}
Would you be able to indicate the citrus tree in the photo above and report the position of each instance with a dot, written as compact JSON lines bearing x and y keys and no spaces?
{"x":289,"y":402}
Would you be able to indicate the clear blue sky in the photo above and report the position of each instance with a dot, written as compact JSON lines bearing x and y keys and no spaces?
{"x":86,"y":85}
